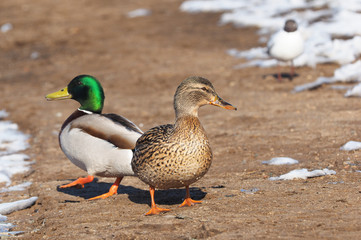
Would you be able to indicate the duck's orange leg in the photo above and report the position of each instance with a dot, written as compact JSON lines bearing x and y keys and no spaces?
{"x":188,"y":201}
{"x":154,"y":209}
{"x":113,"y":190}
{"x":79,"y":182}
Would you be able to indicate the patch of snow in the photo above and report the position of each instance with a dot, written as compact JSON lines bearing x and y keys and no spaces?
{"x":11,"y":139}
{"x":7,"y":208}
{"x":351,"y":145}
{"x":5,"y":227}
{"x":3,"y":114}
{"x":13,"y":164}
{"x":347,"y":73}
{"x":19,"y":187}
{"x":140,"y":12}
{"x":340,"y":87}
{"x":250,"y":191}
{"x":211,"y":5}
{"x":303,"y":174}
{"x":6,"y":27}
{"x":354,"y":92}
{"x":313,"y":85}
{"x":336,"y":182}
{"x":281,"y":161}
{"x":5,"y":230}
{"x":329,"y":28}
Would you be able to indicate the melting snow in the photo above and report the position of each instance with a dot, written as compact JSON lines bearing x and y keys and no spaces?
{"x":347,"y":73}
{"x":11,"y":139}
{"x":354,"y":92}
{"x":11,"y":162}
{"x":351,"y":145}
{"x":19,"y":187}
{"x":330,"y":29}
{"x":7,"y":208}
{"x":6,"y":27}
{"x":140,"y":12}
{"x":303,"y":174}
{"x":249,"y":191}
{"x":281,"y":161}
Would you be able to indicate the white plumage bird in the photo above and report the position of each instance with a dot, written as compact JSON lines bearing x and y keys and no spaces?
{"x":286,"y":45}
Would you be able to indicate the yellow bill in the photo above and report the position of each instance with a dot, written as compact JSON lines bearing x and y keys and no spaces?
{"x":59,"y":95}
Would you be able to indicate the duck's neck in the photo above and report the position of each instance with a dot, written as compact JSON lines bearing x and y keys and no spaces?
{"x":183,"y":107}
{"x":92,"y":101}
{"x":188,"y":123}
{"x":86,"y":111}
{"x":92,"y":107}
{"x":186,"y":111}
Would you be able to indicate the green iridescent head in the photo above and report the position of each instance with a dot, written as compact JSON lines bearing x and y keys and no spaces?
{"x":86,"y":90}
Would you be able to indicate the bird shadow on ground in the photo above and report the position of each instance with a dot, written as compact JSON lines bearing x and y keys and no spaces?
{"x":136,"y":195}
{"x":283,"y":76}
{"x":166,"y":197}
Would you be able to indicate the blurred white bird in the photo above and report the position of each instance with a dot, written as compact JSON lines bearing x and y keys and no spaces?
{"x":286,"y":45}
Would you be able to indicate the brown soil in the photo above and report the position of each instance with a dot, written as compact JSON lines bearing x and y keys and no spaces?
{"x":140,"y":62}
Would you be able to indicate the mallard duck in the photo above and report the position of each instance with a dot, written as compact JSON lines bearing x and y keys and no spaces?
{"x":177,"y":155}
{"x":100,"y":144}
{"x":286,"y":45}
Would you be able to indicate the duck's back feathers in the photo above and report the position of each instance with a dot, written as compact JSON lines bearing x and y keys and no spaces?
{"x":123,"y":122}
{"x":115,"y":129}
{"x":156,"y":135}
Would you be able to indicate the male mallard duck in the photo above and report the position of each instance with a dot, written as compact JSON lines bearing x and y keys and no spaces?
{"x":177,"y":155}
{"x":286,"y":45}
{"x":100,"y":144}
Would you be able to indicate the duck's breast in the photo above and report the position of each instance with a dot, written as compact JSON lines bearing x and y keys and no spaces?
{"x":99,"y":146}
{"x":174,"y":159}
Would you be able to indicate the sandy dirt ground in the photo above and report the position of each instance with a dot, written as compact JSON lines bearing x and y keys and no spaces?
{"x":140,"y":62}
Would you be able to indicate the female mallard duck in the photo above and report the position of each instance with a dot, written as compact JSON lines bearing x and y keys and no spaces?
{"x":177,"y":155}
{"x":100,"y":144}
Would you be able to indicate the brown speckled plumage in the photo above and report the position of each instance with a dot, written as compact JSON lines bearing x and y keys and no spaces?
{"x":173,"y":156}
{"x":177,"y":155}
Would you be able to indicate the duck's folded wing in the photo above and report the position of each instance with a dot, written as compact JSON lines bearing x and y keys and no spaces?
{"x":123,"y":122}
{"x":114,"y":129}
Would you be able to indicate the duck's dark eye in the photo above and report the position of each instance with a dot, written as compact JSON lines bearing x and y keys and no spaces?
{"x":79,"y":83}
{"x":204,"y":89}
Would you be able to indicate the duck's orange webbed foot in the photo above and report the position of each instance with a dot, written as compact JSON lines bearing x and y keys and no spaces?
{"x":156,"y":210}
{"x":79,"y":182}
{"x":112,"y":191}
{"x":189,"y":202}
